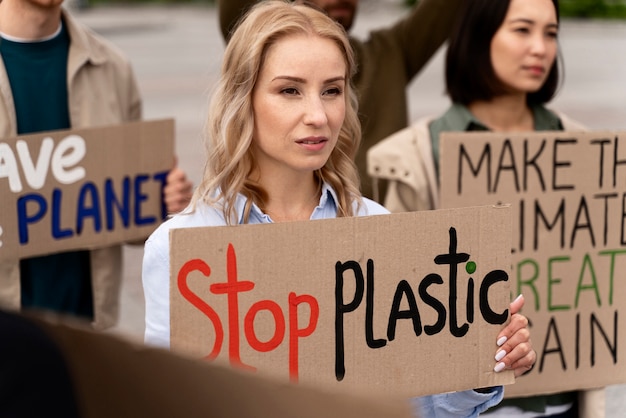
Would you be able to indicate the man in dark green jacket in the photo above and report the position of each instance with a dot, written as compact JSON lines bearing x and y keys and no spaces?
{"x":387,"y":63}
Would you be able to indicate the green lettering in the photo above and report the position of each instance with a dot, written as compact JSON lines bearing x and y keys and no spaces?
{"x":587,"y":264}
{"x":612,"y":253}
{"x":534,"y":275}
{"x":552,"y":281}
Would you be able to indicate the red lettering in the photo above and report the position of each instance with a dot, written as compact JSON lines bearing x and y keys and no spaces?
{"x":279,"y":330}
{"x":231,"y":288}
{"x":202,"y":267}
{"x":295,"y":333}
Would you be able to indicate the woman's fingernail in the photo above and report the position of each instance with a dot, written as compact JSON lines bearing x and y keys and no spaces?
{"x":500,"y":355}
{"x":499,"y":367}
{"x":517,"y":298}
{"x":501,"y":341}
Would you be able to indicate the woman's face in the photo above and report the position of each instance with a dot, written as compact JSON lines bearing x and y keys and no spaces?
{"x":525,"y":46}
{"x":299,"y":105}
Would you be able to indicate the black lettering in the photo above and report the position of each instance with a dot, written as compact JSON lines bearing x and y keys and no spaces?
{"x":506,"y":152}
{"x":463,"y":155}
{"x":433,"y":302}
{"x":556,"y":164}
{"x":522,"y":228}
{"x":616,"y":161}
{"x":605,"y":197}
{"x":577,"y":347}
{"x":602,"y":143}
{"x":453,"y":259}
{"x":595,"y":324}
{"x":469,"y":303}
{"x":341,"y":308}
{"x":369,"y":310}
{"x":403,"y":289}
{"x":532,"y":161}
{"x":489,"y":314}
{"x":558,"y":218}
{"x":623,"y":223}
{"x":582,"y":212}
{"x":552,"y":329}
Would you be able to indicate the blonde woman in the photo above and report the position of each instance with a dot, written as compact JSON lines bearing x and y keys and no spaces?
{"x":282,"y":134}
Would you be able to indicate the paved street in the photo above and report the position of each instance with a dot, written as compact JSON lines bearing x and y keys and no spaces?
{"x":176,"y":52}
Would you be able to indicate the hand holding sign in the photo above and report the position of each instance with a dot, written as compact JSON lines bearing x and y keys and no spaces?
{"x":178,"y":190}
{"x":515,"y":352}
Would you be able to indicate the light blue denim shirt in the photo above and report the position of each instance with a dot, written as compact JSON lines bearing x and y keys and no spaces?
{"x":156,"y":285}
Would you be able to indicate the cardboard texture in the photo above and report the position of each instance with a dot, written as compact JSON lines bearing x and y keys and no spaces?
{"x":568,"y":194}
{"x":82,"y":188}
{"x":116,"y":378}
{"x":351,"y":303}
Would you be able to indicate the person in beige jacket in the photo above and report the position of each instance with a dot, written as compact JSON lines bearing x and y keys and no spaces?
{"x":501,"y":69}
{"x":57,"y":74}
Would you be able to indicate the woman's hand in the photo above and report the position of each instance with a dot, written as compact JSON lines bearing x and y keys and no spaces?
{"x":515,"y":350}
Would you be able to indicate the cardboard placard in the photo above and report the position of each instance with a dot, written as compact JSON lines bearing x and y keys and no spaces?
{"x":116,"y":378}
{"x":405,"y":304}
{"x":568,"y":194}
{"x":82,"y":188}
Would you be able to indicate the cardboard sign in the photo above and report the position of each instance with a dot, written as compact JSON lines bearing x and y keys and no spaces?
{"x":568,"y":194}
{"x":82,"y":188}
{"x":405,"y":304}
{"x":115,"y":378}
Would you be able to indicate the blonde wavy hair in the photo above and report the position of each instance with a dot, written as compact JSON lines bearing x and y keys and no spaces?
{"x":230,"y":123}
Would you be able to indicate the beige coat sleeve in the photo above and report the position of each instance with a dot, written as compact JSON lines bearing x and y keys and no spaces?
{"x":405,"y":161}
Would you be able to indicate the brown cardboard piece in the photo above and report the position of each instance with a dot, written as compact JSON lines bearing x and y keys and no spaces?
{"x":82,"y":188}
{"x":570,"y":272}
{"x":116,"y":378}
{"x":337,"y":302}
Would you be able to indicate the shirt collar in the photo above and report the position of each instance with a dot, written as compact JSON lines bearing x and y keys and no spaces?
{"x":459,"y":116}
{"x":328,"y":193}
{"x":328,"y":199}
{"x":545,"y":120}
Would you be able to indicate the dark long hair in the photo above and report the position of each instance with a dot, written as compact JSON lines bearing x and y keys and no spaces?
{"x":469,"y":73}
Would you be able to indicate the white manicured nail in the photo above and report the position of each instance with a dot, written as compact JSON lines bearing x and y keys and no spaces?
{"x":499,"y":367}
{"x":501,"y":341}
{"x":500,"y":355}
